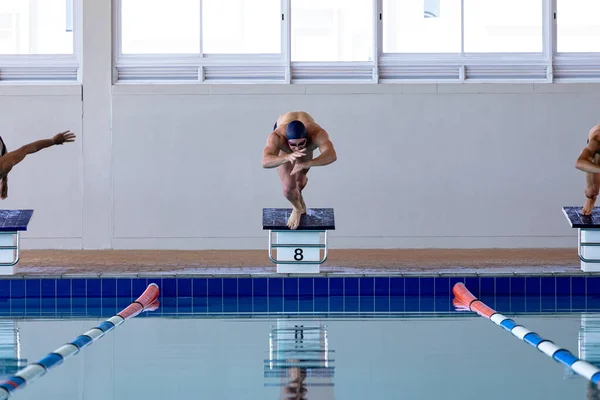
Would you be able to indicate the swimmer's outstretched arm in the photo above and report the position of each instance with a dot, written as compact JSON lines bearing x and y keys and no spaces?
{"x":10,"y":159}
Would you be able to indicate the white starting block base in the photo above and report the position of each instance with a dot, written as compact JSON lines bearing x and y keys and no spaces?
{"x":588,"y":236}
{"x":589,"y":249}
{"x":299,"y":253}
{"x":299,"y":250}
{"x":9,"y":252}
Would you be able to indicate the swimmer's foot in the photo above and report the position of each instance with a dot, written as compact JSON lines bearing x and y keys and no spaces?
{"x":588,"y":207}
{"x":294,"y":219}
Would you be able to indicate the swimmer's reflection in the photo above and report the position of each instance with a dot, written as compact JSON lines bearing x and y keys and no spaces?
{"x":296,"y":385}
{"x":589,"y":348}
{"x":300,"y":357}
{"x":593,"y":392}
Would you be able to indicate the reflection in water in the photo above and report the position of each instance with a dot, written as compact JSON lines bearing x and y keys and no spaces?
{"x":593,"y":393}
{"x":589,"y":339}
{"x":10,"y":349}
{"x":589,"y":348}
{"x":300,"y":357}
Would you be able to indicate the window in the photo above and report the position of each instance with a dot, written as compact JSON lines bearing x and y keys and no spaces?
{"x":578,"y":26}
{"x":35,"y":27}
{"x":241,"y":26}
{"x":496,"y":26}
{"x":160,"y":27}
{"x":415,"y":26}
{"x":331,"y":30}
{"x":246,"y":41}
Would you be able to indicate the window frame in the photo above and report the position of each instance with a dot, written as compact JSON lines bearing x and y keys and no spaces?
{"x":499,"y":67}
{"x":546,"y":66}
{"x":46,"y":68}
{"x":572,"y":67}
{"x":200,"y":67}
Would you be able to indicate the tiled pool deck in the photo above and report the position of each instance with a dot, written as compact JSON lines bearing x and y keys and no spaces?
{"x":172,"y":263}
{"x":363,"y":282}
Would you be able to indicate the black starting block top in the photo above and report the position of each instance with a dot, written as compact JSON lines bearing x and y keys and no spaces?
{"x":314,"y":219}
{"x":577,"y":220}
{"x":14,"y":220}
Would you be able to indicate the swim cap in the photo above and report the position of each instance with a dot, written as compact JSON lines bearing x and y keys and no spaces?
{"x":295,"y":130}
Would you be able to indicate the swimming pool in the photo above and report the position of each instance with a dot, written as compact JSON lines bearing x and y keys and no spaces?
{"x":348,"y":337}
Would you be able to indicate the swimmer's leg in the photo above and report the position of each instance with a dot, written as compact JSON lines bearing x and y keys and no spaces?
{"x":292,"y":193}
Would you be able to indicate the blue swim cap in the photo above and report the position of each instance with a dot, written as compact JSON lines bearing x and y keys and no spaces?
{"x":295,"y":130}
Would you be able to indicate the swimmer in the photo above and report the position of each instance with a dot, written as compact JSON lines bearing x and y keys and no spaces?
{"x":290,"y":149}
{"x":589,"y":162}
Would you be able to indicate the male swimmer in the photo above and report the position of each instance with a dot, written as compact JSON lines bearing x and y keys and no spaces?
{"x":290,"y":148}
{"x":589,"y":162}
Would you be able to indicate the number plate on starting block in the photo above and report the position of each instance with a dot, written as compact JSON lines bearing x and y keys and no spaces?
{"x":298,"y":253}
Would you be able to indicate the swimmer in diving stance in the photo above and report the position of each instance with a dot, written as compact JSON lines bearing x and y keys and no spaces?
{"x":290,"y":149}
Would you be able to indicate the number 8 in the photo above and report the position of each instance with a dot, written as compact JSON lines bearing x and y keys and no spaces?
{"x":298,"y":256}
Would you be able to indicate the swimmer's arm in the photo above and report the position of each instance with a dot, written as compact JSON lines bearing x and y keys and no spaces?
{"x":585,"y":163}
{"x":10,"y":159}
{"x":271,"y":157}
{"x":327,"y":151}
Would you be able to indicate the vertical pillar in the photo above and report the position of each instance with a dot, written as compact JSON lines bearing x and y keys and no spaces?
{"x":96,"y":61}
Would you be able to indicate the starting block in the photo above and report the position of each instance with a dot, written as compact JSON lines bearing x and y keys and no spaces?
{"x":588,"y":236}
{"x":299,"y":250}
{"x":12,"y":222}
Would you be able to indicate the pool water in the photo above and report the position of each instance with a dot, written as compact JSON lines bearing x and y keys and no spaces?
{"x":452,"y":355}
{"x":325,"y":337}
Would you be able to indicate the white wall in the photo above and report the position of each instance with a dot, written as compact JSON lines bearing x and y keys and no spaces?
{"x":151,"y":359}
{"x":442,"y":169}
{"x":50,"y":181}
{"x":418,"y":166}
{"x":178,"y":166}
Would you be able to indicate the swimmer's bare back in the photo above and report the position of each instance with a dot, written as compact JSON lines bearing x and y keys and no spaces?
{"x":301,"y":116}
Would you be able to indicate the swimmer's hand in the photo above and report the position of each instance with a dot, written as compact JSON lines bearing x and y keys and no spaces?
{"x":299,"y":166}
{"x":295,"y":155}
{"x":63,"y":137}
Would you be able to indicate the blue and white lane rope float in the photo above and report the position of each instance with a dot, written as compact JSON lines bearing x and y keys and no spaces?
{"x":464,"y":300}
{"x":147,"y":301}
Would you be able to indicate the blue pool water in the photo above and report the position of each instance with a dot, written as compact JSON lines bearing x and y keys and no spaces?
{"x":333,"y":337}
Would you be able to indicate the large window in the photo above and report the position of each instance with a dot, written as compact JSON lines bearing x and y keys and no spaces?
{"x":578,"y":26}
{"x":417,"y":26}
{"x":195,"y":26}
{"x":241,"y":26}
{"x":149,"y":26}
{"x":488,"y":26}
{"x":35,"y":27}
{"x":331,"y":30}
{"x":297,"y":41}
{"x":503,"y":26}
